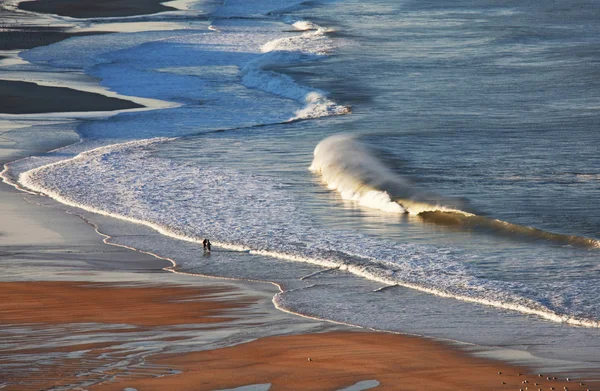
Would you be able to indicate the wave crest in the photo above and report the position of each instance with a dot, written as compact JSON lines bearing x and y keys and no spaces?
{"x":358,"y":175}
{"x":312,"y":44}
{"x":355,"y":172}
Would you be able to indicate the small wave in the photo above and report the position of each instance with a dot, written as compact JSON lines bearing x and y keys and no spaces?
{"x":504,"y":228}
{"x":311,"y":45}
{"x":351,"y":169}
{"x":304,"y":25}
{"x":587,"y":177}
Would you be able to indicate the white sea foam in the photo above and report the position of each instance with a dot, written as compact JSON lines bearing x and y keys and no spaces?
{"x":314,"y":41}
{"x":308,"y":46}
{"x":357,"y":174}
{"x":304,"y":25}
{"x":170,"y":197}
{"x":129,"y":63}
{"x":348,"y":167}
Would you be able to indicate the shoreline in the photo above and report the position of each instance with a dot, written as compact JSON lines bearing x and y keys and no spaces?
{"x":93,"y":9}
{"x":245,"y":331}
{"x":20,"y":97}
{"x":155,"y":335}
{"x":166,"y":369}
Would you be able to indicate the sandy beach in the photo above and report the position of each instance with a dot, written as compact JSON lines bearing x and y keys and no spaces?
{"x":116,"y":314}
{"x":322,"y":361}
{"x":94,"y":9}
{"x":332,"y":361}
{"x":81,"y":314}
{"x":72,"y":302}
{"x":29,"y":98}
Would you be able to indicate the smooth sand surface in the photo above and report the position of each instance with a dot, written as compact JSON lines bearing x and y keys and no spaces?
{"x":77,"y":302}
{"x":338,"y":360}
{"x":77,"y":333}
{"x":31,"y":37}
{"x":140,"y":315}
{"x":17,"y":97}
{"x":37,"y":238}
{"x":94,"y":8}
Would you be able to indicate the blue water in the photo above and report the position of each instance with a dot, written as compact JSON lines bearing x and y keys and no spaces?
{"x":483,"y":116}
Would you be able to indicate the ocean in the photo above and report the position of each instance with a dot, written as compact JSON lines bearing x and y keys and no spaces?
{"x":424,"y":167}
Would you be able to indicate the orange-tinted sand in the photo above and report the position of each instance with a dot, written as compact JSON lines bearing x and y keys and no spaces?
{"x":73,"y":302}
{"x":338,"y":360}
{"x":52,"y":308}
{"x":324,"y":361}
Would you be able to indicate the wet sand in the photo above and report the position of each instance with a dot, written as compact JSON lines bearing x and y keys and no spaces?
{"x":94,"y":9}
{"x":78,"y":333}
{"x":86,"y":302}
{"x":18,"y":97}
{"x":34,"y":36}
{"x":332,"y":361}
{"x":139,"y":315}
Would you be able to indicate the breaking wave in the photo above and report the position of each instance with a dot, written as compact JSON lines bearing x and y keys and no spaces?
{"x":354,"y":171}
{"x":169,"y":196}
{"x":312,"y":44}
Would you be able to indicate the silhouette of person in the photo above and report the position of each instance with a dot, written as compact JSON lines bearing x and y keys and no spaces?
{"x":206,"y":244}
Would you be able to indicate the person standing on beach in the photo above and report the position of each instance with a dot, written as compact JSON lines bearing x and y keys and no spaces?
{"x":206,"y":244}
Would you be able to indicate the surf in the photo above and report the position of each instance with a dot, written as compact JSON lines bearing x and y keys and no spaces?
{"x":353,"y":170}
{"x":169,"y":197}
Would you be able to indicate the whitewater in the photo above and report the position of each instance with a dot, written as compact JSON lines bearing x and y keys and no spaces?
{"x":169,"y":198}
{"x":349,"y":167}
{"x":262,"y":145}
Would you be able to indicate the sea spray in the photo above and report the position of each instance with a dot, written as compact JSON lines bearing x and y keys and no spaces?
{"x":349,"y":167}
{"x":353,"y":170}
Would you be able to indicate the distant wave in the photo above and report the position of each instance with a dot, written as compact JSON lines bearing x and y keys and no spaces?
{"x":122,"y":62}
{"x":312,"y":44}
{"x":354,"y":171}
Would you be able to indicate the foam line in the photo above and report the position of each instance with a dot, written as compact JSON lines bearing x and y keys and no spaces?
{"x":375,"y":271}
{"x":385,"y":287}
{"x":318,"y":272}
